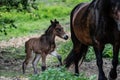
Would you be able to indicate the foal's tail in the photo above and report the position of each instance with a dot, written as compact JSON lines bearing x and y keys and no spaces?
{"x":28,"y":52}
{"x":25,"y":47}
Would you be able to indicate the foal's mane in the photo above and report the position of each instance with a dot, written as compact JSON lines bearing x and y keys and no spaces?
{"x":51,"y":27}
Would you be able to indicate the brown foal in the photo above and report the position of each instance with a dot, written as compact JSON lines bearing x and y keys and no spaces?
{"x":43,"y":46}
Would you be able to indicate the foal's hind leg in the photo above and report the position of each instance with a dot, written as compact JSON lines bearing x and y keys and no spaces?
{"x":27,"y":59}
{"x":54,"y":53}
{"x":35,"y":62}
{"x":113,"y":72}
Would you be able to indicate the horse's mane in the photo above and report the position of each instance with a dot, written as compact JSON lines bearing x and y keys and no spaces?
{"x":101,"y":9}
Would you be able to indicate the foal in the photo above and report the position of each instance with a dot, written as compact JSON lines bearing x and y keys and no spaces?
{"x":43,"y":46}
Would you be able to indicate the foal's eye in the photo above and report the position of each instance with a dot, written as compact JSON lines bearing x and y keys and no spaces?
{"x":58,"y":29}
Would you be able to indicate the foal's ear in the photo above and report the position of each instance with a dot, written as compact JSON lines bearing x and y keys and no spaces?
{"x":55,"y":20}
{"x":51,"y":21}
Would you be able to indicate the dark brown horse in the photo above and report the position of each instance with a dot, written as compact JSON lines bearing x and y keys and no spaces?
{"x":43,"y":46}
{"x":96,"y":23}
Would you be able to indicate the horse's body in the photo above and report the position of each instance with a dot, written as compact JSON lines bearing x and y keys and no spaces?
{"x":96,"y":23}
{"x":43,"y":46}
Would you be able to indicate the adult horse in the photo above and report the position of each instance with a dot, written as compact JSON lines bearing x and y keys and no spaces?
{"x":96,"y":23}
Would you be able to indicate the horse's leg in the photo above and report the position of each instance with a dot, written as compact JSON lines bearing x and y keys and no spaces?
{"x":35,"y":62}
{"x":43,"y":61}
{"x":113,"y":72}
{"x":27,"y":59}
{"x":98,"y":52}
{"x":54,"y":53}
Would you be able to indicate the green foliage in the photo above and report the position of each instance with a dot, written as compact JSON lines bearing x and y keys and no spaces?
{"x":37,"y":20}
{"x":64,"y":48}
{"x":53,"y":12}
{"x":30,"y":22}
{"x":17,"y":53}
{"x":6,"y":24}
{"x":18,"y":4}
{"x":90,"y":54}
{"x":107,"y":53}
{"x":59,"y":74}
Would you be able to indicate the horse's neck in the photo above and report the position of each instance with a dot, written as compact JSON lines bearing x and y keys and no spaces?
{"x":102,"y":5}
{"x":51,"y":37}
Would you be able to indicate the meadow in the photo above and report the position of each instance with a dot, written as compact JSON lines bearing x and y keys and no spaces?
{"x":36,"y":22}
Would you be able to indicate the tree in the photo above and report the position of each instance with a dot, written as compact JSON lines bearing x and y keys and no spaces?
{"x":6,"y":24}
{"x":15,"y":4}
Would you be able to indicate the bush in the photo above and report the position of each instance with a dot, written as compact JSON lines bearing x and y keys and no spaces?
{"x":59,"y":74}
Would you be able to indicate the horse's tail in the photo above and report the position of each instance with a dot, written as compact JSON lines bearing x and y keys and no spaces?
{"x":71,"y":56}
{"x":25,"y":47}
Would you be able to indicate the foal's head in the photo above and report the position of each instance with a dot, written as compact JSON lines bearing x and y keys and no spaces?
{"x":57,"y":30}
{"x":115,"y":6}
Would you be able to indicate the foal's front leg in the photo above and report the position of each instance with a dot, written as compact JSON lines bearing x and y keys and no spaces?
{"x":113,"y":72}
{"x":98,"y":52}
{"x":54,"y":53}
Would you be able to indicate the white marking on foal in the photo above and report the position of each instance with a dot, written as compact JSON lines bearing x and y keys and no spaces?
{"x":37,"y":58}
{"x":54,"y":53}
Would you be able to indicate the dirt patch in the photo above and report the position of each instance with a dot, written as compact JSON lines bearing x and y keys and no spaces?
{"x":90,"y":68}
{"x":14,"y":65}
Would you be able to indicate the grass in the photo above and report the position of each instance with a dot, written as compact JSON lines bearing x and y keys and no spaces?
{"x":59,"y":74}
{"x":37,"y":22}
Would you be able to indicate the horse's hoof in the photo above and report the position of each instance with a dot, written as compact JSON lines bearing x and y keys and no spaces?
{"x":102,"y":78}
{"x":109,"y":78}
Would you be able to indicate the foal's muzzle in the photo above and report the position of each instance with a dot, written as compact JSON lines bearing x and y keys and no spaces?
{"x":65,"y":37}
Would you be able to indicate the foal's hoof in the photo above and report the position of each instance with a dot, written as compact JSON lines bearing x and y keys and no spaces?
{"x":43,"y":68}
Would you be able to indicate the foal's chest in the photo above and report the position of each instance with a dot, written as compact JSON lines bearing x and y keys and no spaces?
{"x":48,"y":48}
